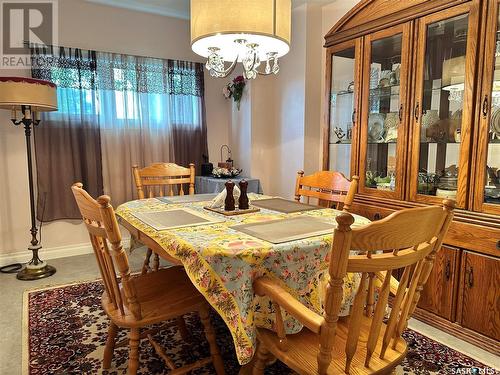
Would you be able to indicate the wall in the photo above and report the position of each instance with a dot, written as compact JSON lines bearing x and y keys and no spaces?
{"x":92,"y":26}
{"x":290,"y":107}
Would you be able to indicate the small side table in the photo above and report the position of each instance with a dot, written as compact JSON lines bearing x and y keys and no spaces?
{"x":212,"y":185}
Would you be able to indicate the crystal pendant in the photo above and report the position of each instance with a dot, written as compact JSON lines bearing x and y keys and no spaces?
{"x":268,"y":66}
{"x":276,"y":67}
{"x":251,"y":61}
{"x":215,"y":63}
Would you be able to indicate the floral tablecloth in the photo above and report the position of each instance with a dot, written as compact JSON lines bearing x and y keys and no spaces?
{"x":223,"y":263}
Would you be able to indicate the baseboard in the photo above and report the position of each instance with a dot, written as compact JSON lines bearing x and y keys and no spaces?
{"x":472,"y":337}
{"x":47,"y":253}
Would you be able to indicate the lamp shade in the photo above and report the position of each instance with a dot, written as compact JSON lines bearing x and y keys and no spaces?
{"x":18,"y":91}
{"x":266,"y":23}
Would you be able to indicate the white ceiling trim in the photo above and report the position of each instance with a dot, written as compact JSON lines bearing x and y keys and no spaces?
{"x":166,"y":10}
{"x":141,"y":7}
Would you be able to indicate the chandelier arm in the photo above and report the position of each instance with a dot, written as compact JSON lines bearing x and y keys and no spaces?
{"x":264,"y":73}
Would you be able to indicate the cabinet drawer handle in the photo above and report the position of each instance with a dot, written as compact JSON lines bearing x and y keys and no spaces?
{"x":401,"y":112}
{"x":377,"y":216}
{"x":416,"y":111}
{"x":447,"y":270}
{"x":353,"y":117}
{"x":470,"y":279}
{"x":485,"y":106}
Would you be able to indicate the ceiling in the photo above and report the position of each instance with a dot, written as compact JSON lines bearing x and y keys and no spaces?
{"x":174,"y":8}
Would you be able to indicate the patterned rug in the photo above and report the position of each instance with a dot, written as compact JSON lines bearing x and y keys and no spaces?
{"x":66,"y":328}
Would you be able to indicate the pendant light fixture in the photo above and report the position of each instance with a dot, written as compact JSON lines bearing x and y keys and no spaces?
{"x":253,"y":32}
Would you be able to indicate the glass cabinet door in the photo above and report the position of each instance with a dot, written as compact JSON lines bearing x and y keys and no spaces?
{"x":342,"y":103}
{"x":441,"y":121}
{"x":486,"y":196}
{"x":383,"y":119}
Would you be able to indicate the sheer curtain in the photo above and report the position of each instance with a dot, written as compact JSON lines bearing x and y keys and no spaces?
{"x":135,"y":121}
{"x":115,"y":111}
{"x":152,"y":110}
{"x":67,"y":142}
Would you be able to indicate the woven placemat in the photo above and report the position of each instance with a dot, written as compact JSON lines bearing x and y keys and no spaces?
{"x":283,"y":205}
{"x":161,"y":220}
{"x":187,"y":198}
{"x":284,"y":230}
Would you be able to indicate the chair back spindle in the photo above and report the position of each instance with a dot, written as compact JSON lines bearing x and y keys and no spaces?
{"x":332,"y":188}
{"x":100,"y":220}
{"x":406,"y":239}
{"x":159,"y":179}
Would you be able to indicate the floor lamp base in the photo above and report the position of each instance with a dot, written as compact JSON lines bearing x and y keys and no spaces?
{"x":36,"y":268}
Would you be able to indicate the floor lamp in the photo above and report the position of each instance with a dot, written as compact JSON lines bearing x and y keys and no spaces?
{"x":28,"y":97}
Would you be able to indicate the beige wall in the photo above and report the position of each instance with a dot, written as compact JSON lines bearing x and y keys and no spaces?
{"x":87,"y":25}
{"x":290,"y":107}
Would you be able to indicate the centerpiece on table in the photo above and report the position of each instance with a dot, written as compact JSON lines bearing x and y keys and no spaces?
{"x":220,"y":172}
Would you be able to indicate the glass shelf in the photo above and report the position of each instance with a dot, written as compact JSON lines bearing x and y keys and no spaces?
{"x":378,"y":88}
{"x":384,"y":101}
{"x":341,"y":108}
{"x":340,"y":93}
{"x":341,"y":143}
{"x":438,"y":143}
{"x":442,"y":107}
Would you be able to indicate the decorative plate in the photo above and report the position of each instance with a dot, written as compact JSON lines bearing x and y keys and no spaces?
{"x":376,"y":127}
{"x":495,"y":122}
{"x":391,"y":120}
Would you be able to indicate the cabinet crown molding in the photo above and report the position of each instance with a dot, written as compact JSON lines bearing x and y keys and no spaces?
{"x":360,"y":19}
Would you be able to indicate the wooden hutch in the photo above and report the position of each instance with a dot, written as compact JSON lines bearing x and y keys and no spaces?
{"x":413,"y":109}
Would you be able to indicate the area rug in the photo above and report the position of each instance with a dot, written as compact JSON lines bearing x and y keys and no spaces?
{"x":65,"y":331}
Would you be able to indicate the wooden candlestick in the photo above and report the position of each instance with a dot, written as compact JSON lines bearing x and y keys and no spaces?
{"x":229,"y":202}
{"x":243,"y":201}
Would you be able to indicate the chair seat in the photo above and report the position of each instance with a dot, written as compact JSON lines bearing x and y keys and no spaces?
{"x":303,"y":348}
{"x":164,"y":294}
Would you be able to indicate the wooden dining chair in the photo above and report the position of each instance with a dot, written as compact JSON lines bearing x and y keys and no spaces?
{"x":332,"y":189}
{"x":136,"y":302}
{"x":158,"y":180}
{"x":363,"y":342}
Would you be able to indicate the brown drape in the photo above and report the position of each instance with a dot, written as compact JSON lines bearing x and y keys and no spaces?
{"x":67,"y":142}
{"x":66,"y":154}
{"x":189,"y":133}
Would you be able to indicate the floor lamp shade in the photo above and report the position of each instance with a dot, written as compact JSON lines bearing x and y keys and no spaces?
{"x":29,"y":97}
{"x":16,"y":92}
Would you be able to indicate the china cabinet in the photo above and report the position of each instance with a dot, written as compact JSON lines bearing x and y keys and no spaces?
{"x":413,"y":93}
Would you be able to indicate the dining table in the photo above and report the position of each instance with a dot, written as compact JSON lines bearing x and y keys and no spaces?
{"x":222,"y":261}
